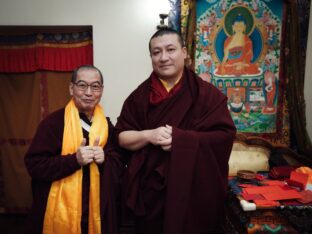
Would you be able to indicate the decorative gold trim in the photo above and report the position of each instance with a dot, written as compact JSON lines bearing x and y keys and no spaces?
{"x":49,"y":45}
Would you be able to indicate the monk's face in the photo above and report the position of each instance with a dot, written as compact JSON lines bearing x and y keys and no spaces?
{"x":168,"y":57}
{"x":86,"y":91}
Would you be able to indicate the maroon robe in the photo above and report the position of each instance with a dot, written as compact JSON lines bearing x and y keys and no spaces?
{"x":182,"y":191}
{"x":45,"y":165}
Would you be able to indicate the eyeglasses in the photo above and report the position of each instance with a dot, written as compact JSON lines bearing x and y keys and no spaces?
{"x":83,"y":86}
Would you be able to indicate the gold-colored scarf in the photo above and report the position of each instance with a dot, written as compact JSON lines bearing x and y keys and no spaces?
{"x":63,"y":212}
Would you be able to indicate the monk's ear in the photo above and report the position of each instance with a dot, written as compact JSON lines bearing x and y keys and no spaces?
{"x":184,"y":52}
{"x":71,"y":89}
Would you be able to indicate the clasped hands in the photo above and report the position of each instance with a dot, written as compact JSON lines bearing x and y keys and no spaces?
{"x":162,"y":136}
{"x":87,"y":154}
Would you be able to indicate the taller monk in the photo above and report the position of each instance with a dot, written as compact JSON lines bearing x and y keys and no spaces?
{"x":179,"y":134}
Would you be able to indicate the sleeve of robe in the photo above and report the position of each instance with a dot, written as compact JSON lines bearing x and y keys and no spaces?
{"x":45,"y":164}
{"x":199,"y":167}
{"x":43,"y":159}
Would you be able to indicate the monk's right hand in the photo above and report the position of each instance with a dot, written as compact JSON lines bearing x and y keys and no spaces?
{"x":84,"y":153}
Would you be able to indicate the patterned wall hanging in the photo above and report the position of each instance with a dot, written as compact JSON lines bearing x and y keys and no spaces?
{"x":239,"y":49}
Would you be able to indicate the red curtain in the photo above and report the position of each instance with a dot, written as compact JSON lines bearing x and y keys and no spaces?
{"x":25,"y":99}
{"x":35,"y":70}
{"x":45,"y":51}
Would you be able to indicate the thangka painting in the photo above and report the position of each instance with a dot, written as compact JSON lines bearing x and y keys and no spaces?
{"x":238,"y":50}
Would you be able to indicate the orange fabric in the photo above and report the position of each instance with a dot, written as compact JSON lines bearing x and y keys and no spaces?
{"x":285,"y":195}
{"x":63,"y":212}
{"x":232,"y":66}
{"x":306,"y":170}
{"x":266,"y":203}
{"x":263,"y":190}
{"x":160,"y":91}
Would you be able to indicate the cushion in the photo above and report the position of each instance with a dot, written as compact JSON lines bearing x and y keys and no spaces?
{"x":248,"y":157}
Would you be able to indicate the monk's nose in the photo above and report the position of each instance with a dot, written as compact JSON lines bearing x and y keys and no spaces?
{"x":164,"y":56}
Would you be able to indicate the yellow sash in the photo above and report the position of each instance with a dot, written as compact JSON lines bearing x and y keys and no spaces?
{"x":63,"y":212}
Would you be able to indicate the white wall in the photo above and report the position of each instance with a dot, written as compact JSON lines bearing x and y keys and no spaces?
{"x":121,"y":30}
{"x":308,"y":80}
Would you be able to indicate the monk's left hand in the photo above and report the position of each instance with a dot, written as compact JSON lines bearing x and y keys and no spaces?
{"x":98,"y":152}
{"x":99,"y":155}
{"x":166,"y":146}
